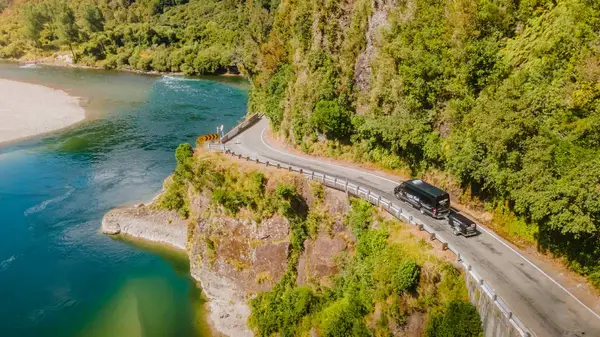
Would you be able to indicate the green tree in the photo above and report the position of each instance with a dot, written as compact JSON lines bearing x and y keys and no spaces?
{"x":34,"y":22}
{"x":330,"y":118}
{"x":67,"y":29}
{"x":93,"y":19}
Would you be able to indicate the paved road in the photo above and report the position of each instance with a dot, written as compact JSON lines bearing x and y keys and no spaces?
{"x":545,"y":307}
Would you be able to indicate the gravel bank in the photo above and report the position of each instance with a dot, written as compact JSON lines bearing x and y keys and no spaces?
{"x":28,"y":110}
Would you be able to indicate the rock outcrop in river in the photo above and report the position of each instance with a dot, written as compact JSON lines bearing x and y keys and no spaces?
{"x":147,"y":223}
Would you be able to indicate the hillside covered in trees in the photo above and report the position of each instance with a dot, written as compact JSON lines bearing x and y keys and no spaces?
{"x":498,"y":97}
{"x":198,"y":37}
{"x":501,"y":97}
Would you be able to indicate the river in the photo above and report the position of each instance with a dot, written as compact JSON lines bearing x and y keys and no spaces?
{"x":59,"y":276}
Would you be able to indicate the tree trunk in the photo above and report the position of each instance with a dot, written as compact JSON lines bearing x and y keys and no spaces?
{"x":73,"y":53}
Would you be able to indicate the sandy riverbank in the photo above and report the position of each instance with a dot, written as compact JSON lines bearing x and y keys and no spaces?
{"x":27,"y":110}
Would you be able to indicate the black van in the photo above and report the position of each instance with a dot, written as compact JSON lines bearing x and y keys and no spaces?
{"x":427,"y":198}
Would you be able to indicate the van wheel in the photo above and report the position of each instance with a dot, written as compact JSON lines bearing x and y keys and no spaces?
{"x":455,"y":231}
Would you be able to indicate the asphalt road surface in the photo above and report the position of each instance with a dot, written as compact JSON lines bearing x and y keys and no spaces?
{"x":544,"y":306}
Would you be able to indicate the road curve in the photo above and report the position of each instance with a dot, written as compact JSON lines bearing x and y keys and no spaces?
{"x":540,"y":302}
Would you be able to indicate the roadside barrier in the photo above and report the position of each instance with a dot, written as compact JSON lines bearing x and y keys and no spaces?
{"x":241,"y":127}
{"x":396,"y":211}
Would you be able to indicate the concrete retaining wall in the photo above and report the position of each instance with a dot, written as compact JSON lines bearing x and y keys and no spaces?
{"x":495,"y":321}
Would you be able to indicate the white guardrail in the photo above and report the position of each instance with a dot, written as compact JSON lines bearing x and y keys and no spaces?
{"x":395,"y":210}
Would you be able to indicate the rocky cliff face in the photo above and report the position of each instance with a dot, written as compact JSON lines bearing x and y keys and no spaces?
{"x":235,"y":258}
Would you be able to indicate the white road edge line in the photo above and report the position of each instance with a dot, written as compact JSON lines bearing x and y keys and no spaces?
{"x":490,"y":233}
{"x":262,"y":138}
{"x":480,"y":226}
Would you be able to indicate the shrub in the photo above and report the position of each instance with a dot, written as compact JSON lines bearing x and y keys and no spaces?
{"x":330,"y":118}
{"x":343,"y":318}
{"x":281,"y":311}
{"x":183,"y":152}
{"x":232,"y":201}
{"x":371,"y":242}
{"x":361,"y":216}
{"x":595,"y":279}
{"x":175,"y":199}
{"x":406,"y":276}
{"x":459,"y":319}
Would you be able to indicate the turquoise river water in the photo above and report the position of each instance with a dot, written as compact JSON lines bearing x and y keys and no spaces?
{"x":59,"y":276}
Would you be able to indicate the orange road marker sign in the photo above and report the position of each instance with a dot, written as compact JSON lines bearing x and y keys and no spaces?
{"x":208,"y":137}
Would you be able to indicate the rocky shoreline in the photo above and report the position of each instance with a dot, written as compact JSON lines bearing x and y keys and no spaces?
{"x":146,"y":223}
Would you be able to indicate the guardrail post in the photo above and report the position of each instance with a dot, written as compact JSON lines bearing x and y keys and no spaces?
{"x":458,"y":257}
{"x":323,"y":180}
{"x":410,"y":220}
{"x":334,"y":181}
{"x":445,"y":246}
{"x":432,"y":236}
{"x":480,"y":281}
{"x":278,"y":166}
{"x":240,"y":156}
{"x":399,"y":213}
{"x":301,"y":171}
{"x":495,"y":297}
{"x":257,"y":160}
{"x":267,"y":163}
{"x":346,"y":186}
{"x":248,"y":158}
{"x":510,"y":315}
{"x":290,"y":168}
{"x":469,"y":267}
{"x":312,"y":175}
{"x":378,"y":200}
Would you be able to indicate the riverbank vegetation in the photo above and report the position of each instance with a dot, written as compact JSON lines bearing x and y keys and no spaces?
{"x":197,"y":37}
{"x":497,"y":97}
{"x":387,"y":280}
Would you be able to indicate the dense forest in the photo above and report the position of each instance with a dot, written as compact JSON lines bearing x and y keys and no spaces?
{"x":199,"y":37}
{"x":498,"y":97}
